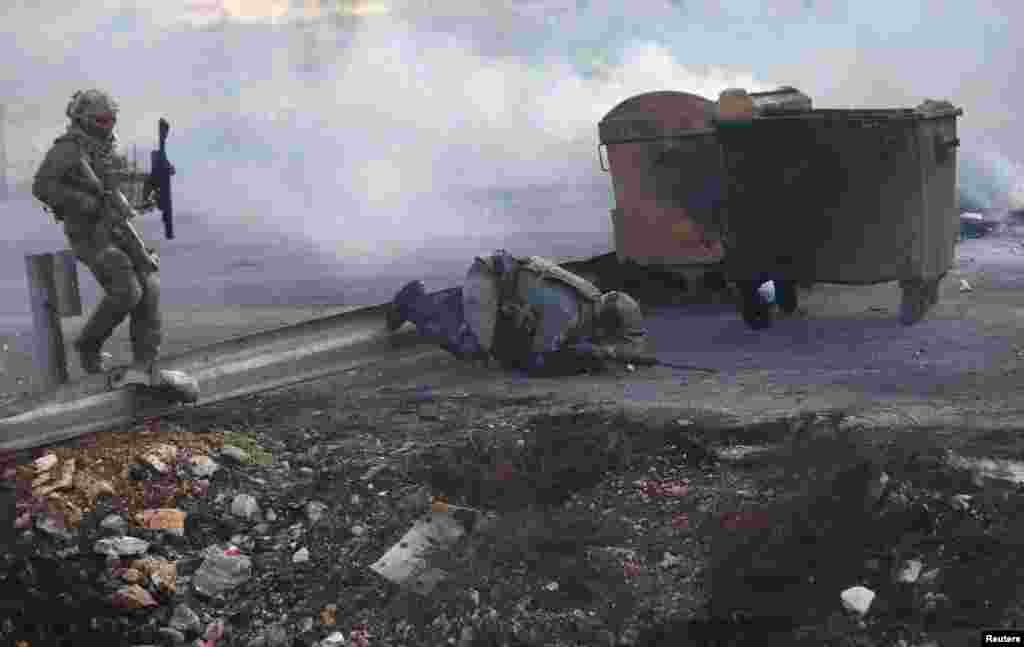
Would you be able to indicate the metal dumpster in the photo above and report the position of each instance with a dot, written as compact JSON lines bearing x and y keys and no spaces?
{"x":842,"y":196}
{"x":666,"y":174}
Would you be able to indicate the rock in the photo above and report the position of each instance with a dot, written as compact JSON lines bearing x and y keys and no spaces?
{"x":315,"y":511}
{"x":203,"y":466}
{"x":214,"y":631}
{"x":965,"y":286}
{"x":171,"y":636}
{"x":91,"y":486}
{"x":270,"y":516}
{"x":132,"y":576}
{"x":200,"y":486}
{"x":132,"y":597}
{"x":44,"y":463}
{"x":121,"y":546}
{"x":961,"y":502}
{"x":236,"y":454}
{"x":276,"y":636}
{"x":66,"y":480}
{"x":245,"y":506}
{"x":301,"y":556}
{"x":169,"y":520}
{"x":929,"y":577}
{"x":113,"y":523}
{"x":185,"y":620}
{"x":221,"y":572}
{"x":358,"y":530}
{"x":53,"y":525}
{"x":161,"y":572}
{"x":669,"y":560}
{"x":158,"y":457}
{"x":329,"y":615}
{"x":244,"y":542}
{"x":306,"y":625}
{"x":857,"y":599}
{"x":910,"y":572}
{"x":336,"y":639}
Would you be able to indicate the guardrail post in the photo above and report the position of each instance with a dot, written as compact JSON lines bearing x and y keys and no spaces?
{"x":53,"y":293}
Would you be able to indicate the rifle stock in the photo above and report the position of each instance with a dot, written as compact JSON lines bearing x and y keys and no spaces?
{"x":119,"y":212}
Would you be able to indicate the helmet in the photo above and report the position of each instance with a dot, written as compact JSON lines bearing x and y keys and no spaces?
{"x":94,"y":110}
{"x":618,"y":315}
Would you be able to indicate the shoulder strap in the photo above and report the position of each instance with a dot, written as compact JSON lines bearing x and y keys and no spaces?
{"x":549,"y":270}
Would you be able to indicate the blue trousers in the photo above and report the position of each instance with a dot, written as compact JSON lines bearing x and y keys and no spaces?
{"x":440,"y":317}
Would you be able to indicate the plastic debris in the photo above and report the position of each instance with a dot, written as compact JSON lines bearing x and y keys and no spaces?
{"x":857,"y":599}
{"x":221,"y":572}
{"x":405,"y":562}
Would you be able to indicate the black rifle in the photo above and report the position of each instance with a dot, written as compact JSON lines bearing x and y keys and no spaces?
{"x":159,"y":182}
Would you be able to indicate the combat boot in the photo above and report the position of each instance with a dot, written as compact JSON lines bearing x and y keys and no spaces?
{"x":398,"y":309}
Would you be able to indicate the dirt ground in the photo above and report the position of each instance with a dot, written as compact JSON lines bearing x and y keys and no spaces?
{"x":648,"y":507}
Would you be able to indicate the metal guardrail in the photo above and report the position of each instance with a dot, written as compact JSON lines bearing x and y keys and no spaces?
{"x":237,"y":367}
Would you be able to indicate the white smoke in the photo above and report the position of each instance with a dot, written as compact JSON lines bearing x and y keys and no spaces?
{"x":370,"y":126}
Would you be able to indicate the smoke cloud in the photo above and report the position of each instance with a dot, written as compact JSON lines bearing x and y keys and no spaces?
{"x":367,"y":127}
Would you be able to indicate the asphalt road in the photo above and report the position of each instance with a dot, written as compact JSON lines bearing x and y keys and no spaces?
{"x":962,"y":365}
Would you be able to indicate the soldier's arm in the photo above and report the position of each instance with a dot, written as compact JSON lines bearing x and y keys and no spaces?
{"x":53,"y":186}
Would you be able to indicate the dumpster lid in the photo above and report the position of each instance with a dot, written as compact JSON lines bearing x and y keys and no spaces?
{"x":656,"y":115}
{"x":865,"y":114}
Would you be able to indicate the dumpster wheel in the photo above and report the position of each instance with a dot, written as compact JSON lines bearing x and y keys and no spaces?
{"x":919,"y":295}
{"x":756,"y":312}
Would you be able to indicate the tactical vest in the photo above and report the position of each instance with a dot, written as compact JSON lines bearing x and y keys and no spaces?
{"x":101,"y":157}
{"x":515,"y":325}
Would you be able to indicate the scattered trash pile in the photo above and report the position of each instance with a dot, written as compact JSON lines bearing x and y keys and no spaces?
{"x":428,"y":518}
{"x":913,"y":548}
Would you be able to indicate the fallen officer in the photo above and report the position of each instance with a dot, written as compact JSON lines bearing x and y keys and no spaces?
{"x":527,"y":314}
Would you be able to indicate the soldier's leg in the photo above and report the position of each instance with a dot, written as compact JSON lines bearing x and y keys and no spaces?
{"x":146,"y":326}
{"x":122,"y":293}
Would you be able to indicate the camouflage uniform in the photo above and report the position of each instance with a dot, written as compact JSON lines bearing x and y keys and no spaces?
{"x":59,"y":184}
{"x":529,"y":314}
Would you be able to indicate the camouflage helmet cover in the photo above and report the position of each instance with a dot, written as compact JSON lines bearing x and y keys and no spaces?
{"x":618,"y":315}
{"x":90,"y":103}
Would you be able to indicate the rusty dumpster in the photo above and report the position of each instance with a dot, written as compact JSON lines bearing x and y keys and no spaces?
{"x":666,"y":175}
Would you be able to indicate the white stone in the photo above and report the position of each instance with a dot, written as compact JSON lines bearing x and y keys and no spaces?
{"x":235,"y":453}
{"x":910,"y":572}
{"x":965,"y":286}
{"x":114,"y":523}
{"x":301,"y":556}
{"x":857,"y":599}
{"x":203,"y":466}
{"x":336,"y":639}
{"x":121,"y":546}
{"x":244,"y":505}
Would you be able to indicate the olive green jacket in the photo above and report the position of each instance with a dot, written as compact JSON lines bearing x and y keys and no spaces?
{"x":59,"y":182}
